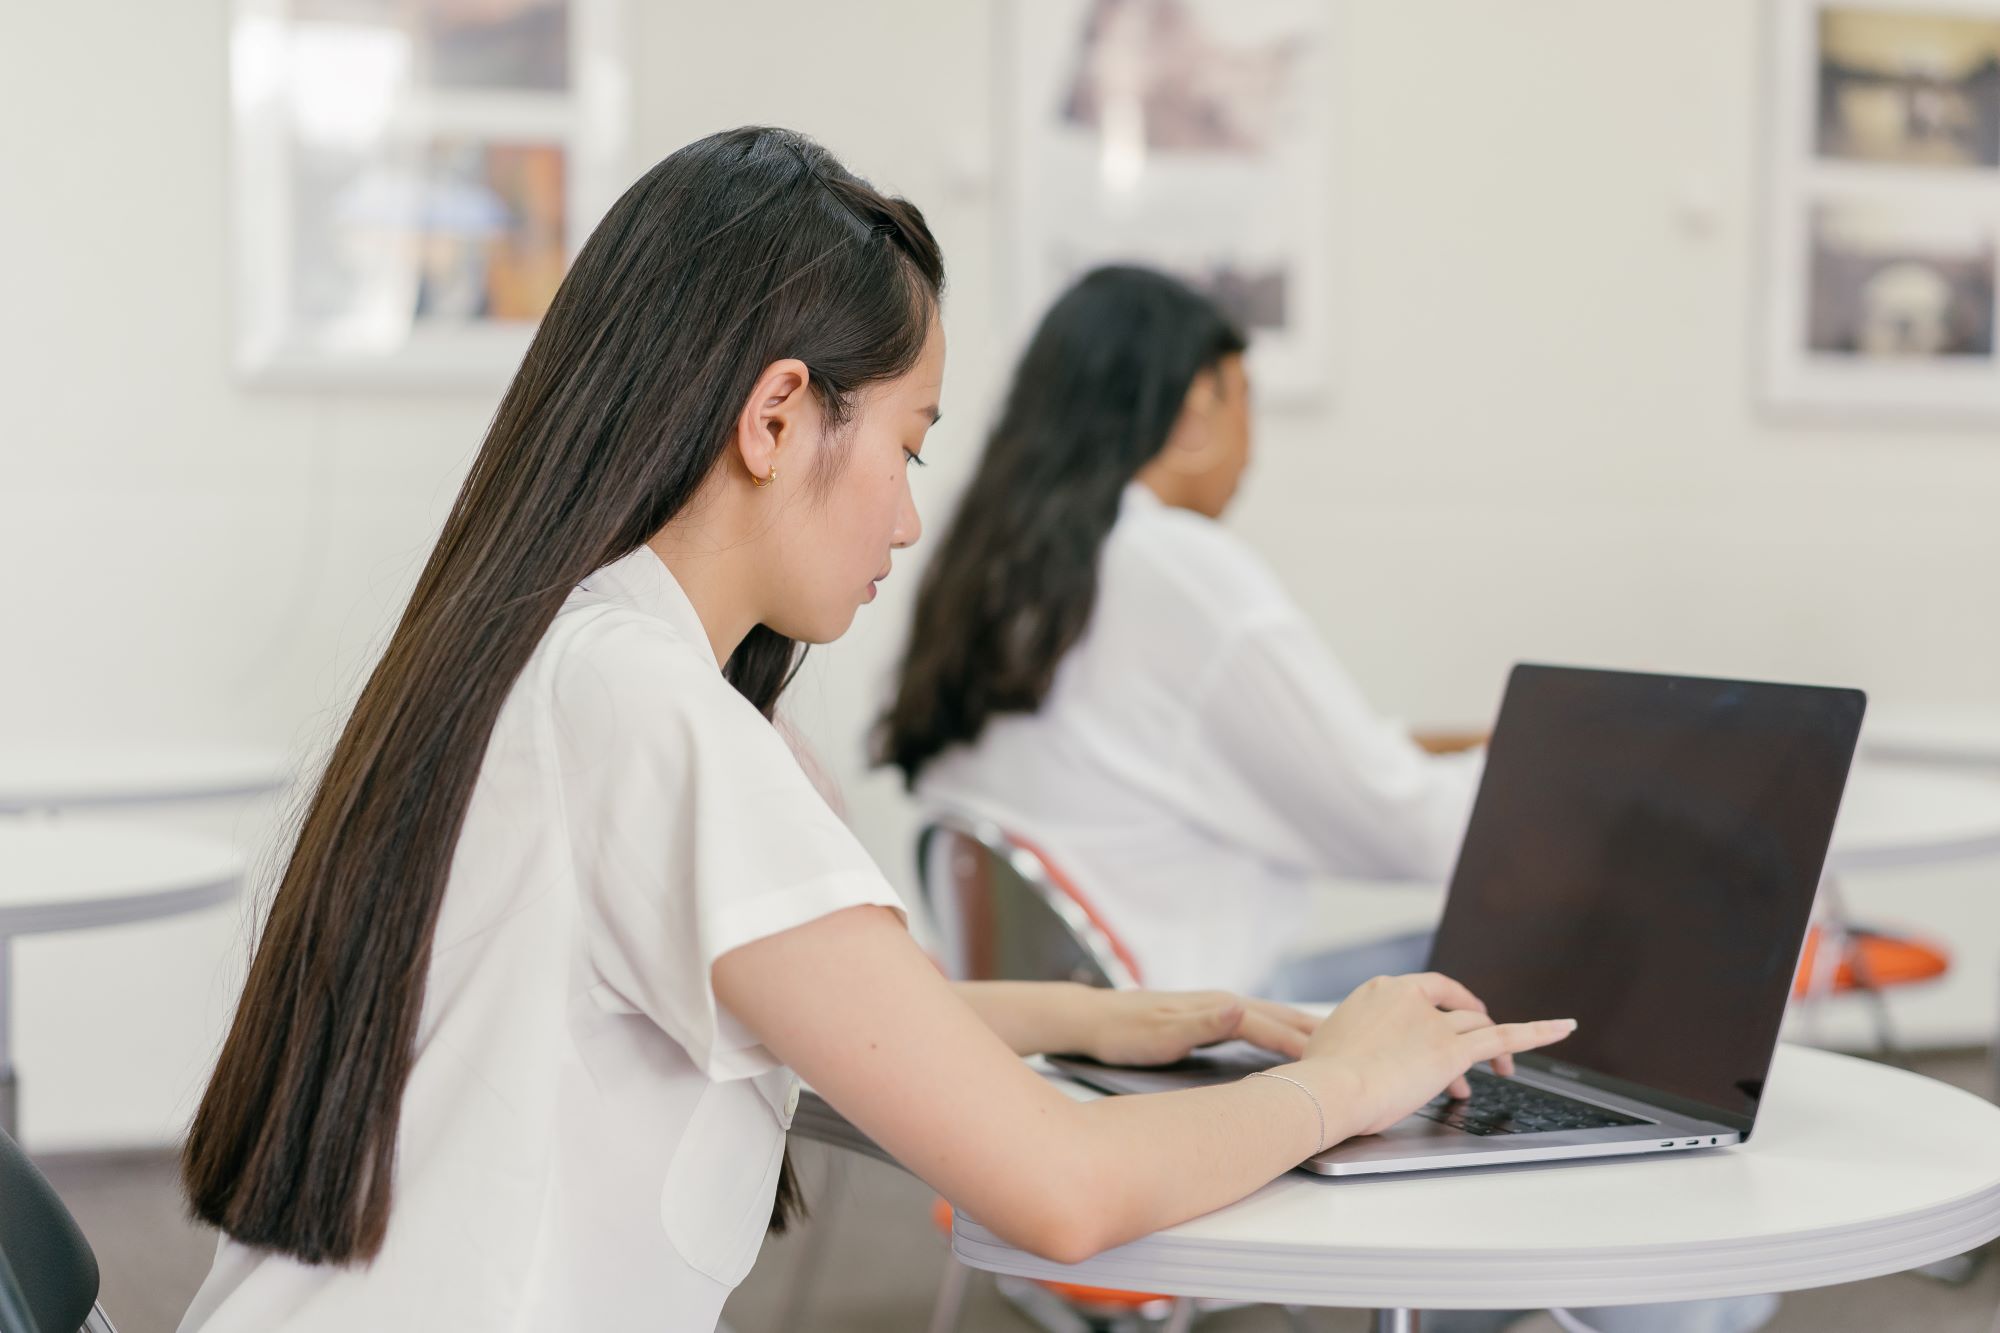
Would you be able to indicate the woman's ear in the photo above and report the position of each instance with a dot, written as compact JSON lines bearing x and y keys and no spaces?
{"x":1204,"y":395}
{"x":773,"y":417}
{"x":1195,"y":446}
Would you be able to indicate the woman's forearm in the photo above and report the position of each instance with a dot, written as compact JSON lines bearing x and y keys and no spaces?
{"x":1224,"y":1141}
{"x":1119,"y":1168}
{"x":1033,"y":1017}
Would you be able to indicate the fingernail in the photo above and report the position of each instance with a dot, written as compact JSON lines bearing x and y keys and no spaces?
{"x":1567,"y":1024}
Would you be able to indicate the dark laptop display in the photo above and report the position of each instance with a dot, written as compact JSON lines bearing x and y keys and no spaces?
{"x":1643,"y":857}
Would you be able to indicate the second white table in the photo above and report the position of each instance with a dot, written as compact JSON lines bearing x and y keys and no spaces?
{"x":74,"y":875}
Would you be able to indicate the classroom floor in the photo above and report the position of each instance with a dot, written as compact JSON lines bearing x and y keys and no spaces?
{"x":879,"y":1267}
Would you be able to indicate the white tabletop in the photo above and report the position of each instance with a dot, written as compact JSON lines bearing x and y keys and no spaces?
{"x":1898,"y":813}
{"x":1855,"y":1170}
{"x":1967,"y":734}
{"x":42,"y":777}
{"x":71,"y":875}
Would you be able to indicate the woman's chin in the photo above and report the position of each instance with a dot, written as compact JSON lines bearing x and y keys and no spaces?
{"x":823,"y":627}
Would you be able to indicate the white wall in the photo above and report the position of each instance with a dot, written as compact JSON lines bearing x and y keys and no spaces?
{"x":1540,"y":439}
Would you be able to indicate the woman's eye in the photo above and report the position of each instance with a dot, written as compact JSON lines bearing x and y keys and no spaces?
{"x":915,"y":459}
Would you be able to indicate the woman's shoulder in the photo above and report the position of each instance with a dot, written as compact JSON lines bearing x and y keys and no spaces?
{"x":604,"y":657}
{"x":594,"y":628}
{"x":1195,"y":561}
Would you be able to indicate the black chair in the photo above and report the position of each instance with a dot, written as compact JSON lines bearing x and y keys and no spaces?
{"x":48,"y":1276}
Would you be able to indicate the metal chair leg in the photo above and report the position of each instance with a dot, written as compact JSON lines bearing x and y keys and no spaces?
{"x":1182,"y":1318}
{"x":1853,"y":952}
{"x":951,"y":1295}
{"x":1040,"y":1306}
{"x":99,"y":1322}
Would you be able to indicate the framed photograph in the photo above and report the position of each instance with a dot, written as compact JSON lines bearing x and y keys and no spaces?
{"x":1190,"y":135}
{"x":1883,"y":213}
{"x":412,"y":178}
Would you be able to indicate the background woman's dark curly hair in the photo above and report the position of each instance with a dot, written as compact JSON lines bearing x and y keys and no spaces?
{"x":1094,"y":399}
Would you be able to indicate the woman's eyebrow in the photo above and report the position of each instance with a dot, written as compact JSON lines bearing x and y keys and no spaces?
{"x":931,"y":412}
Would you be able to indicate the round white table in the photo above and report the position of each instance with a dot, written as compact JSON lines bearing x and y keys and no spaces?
{"x":1903,"y":814}
{"x":65,"y":777}
{"x":1855,"y":1170}
{"x":70,"y":876}
{"x":1964,"y":735}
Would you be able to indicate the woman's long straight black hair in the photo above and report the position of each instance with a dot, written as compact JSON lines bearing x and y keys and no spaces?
{"x":745,"y":248}
{"x":1011,"y":588}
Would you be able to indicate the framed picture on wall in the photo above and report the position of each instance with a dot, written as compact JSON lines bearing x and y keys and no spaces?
{"x":1189,"y":135}
{"x":412,"y":178}
{"x":1883,"y":210}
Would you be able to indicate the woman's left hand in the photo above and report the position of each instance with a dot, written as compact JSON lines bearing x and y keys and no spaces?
{"x":1139,"y":1027}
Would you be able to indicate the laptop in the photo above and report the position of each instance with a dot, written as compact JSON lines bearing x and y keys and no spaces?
{"x":1642,"y":856}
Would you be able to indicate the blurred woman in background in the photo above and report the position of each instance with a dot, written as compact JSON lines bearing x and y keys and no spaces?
{"x":1099,"y":665}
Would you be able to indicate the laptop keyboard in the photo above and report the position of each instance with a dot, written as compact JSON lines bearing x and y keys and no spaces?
{"x":1503,"y":1106}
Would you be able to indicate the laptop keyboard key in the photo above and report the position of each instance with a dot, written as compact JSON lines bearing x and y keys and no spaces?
{"x":1504,"y":1106}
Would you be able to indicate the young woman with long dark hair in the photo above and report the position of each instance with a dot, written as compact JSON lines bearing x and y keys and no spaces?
{"x":564,"y":915}
{"x":1103,"y":667}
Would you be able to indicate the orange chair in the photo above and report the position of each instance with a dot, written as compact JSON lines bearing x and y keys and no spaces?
{"x":1842,"y":958}
{"x":1866,"y":960}
{"x":1004,"y":912}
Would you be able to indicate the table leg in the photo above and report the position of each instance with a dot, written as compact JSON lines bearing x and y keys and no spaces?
{"x":8,"y":1124}
{"x":1398,"y":1321}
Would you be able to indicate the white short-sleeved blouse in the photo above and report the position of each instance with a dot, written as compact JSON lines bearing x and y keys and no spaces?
{"x":588,"y":1141}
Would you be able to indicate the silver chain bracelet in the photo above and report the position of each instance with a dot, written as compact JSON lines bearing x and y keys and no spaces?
{"x":1286,"y":1078}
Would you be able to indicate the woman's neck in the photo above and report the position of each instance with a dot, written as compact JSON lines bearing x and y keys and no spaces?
{"x":717,"y":574}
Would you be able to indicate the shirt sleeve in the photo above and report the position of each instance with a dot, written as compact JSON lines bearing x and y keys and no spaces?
{"x":694,"y":831}
{"x":1346,"y":792}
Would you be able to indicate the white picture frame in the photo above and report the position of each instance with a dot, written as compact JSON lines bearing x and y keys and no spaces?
{"x":1191,"y":135}
{"x":412,"y":177}
{"x":1882,"y":210}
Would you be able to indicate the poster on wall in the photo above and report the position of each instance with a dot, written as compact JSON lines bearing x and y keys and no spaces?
{"x":412,"y":178}
{"x":1884,"y":208}
{"x":1189,"y":135}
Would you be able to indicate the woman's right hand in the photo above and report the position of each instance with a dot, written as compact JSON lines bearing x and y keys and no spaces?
{"x":1396,"y":1042}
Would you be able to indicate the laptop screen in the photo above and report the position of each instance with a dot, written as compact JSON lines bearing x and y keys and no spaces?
{"x":1643,"y":857}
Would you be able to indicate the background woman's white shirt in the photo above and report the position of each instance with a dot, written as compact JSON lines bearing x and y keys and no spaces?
{"x":1202,"y":759}
{"x":588,"y":1139}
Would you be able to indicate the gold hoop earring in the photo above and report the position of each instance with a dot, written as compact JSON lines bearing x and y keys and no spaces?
{"x":761,"y":482}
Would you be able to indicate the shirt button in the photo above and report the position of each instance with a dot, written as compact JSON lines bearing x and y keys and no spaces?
{"x":792,"y":1100}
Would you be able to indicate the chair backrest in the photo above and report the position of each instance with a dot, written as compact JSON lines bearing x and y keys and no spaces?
{"x":1005,"y":913}
{"x":48,"y":1276}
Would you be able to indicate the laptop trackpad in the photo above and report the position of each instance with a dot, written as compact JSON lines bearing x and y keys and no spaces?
{"x":1414,"y":1127}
